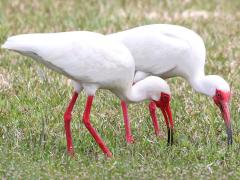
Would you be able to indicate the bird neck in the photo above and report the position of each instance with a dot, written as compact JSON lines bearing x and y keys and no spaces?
{"x":200,"y":84}
{"x":137,"y":92}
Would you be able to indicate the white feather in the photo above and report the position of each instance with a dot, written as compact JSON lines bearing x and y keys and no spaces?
{"x":169,"y":50}
{"x":90,"y":59}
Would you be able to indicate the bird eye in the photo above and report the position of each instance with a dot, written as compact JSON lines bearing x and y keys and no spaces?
{"x":165,"y":98}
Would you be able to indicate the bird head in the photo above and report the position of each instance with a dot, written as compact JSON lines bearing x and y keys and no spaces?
{"x":222,"y":99}
{"x":160,"y":94}
{"x":161,"y":97}
{"x":219,"y":90}
{"x":157,"y":89}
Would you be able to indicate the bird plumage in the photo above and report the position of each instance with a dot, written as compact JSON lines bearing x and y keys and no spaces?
{"x":164,"y":50}
{"x":92,"y":61}
{"x":169,"y":50}
{"x":86,"y":57}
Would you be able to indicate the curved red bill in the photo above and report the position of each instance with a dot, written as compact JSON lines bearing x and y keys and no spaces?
{"x":164,"y":105}
{"x":222,"y":100}
{"x":224,"y":107}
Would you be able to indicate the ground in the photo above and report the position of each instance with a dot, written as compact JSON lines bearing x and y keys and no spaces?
{"x":33,"y":98}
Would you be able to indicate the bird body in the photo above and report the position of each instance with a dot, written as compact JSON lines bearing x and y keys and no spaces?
{"x":169,"y":50}
{"x":164,"y":50}
{"x":92,"y":61}
{"x":85,"y":57}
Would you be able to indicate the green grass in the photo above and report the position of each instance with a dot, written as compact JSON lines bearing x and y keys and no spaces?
{"x":33,"y":98}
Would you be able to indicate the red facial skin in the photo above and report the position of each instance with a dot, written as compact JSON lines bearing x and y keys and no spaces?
{"x":222,"y":100}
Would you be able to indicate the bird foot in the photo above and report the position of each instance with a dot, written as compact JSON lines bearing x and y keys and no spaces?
{"x":109,"y":154}
{"x":130,"y":140}
{"x":160,"y":135}
{"x":71,"y":152}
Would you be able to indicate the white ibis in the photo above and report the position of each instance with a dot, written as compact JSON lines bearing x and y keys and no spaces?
{"x":92,"y":61}
{"x":170,"y":50}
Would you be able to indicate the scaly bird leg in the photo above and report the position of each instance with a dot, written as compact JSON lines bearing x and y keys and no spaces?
{"x":67,"y":121}
{"x":87,"y":123}
{"x":152,"y":109}
{"x":129,"y":137}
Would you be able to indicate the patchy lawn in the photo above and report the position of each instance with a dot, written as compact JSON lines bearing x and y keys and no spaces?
{"x":33,"y":98}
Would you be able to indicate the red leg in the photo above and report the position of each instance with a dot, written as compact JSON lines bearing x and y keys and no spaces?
{"x":86,"y":121}
{"x":152,"y":109}
{"x":67,"y":121}
{"x":129,"y":137}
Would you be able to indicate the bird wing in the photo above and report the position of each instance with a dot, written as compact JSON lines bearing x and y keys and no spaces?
{"x":82,"y":56}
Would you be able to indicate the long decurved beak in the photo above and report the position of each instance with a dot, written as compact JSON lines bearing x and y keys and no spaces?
{"x":224,"y":107}
{"x":167,"y":113}
{"x":171,"y":129}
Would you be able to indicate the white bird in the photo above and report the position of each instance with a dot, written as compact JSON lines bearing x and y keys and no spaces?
{"x":169,"y":50}
{"x":92,"y":61}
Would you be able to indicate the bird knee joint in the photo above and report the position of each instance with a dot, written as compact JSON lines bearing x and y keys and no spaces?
{"x":86,"y":122}
{"x":152,"y":107}
{"x":67,"y":117}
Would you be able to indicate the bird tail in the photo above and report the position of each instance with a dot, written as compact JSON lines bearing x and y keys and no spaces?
{"x":39,"y":47}
{"x":20,"y":43}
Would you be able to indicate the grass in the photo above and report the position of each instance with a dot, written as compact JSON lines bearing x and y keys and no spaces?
{"x":33,"y":98}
